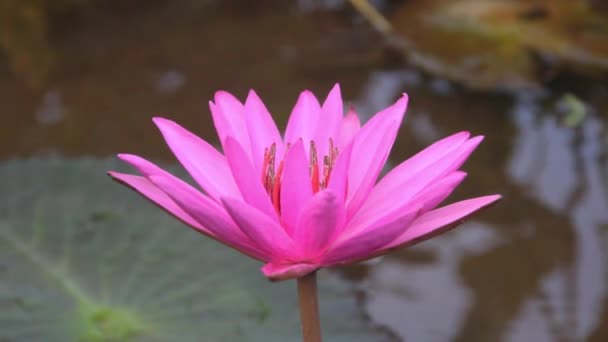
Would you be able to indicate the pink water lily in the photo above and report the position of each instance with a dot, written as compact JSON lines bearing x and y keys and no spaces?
{"x":311,"y":198}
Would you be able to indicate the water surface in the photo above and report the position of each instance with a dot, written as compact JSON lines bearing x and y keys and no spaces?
{"x":532,"y":268}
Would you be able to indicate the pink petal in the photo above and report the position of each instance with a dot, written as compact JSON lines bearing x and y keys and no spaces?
{"x":348,"y":128}
{"x":303,"y":120}
{"x":363,"y":244}
{"x":228,"y":115}
{"x":426,"y":199}
{"x":412,"y":182}
{"x":338,"y":179}
{"x":263,"y":131}
{"x":149,"y":169}
{"x":319,"y":220}
{"x":329,"y":120}
{"x":204,"y":163}
{"x":249,"y":184}
{"x":208,"y":212}
{"x":369,"y":155}
{"x":158,"y":197}
{"x":144,"y":167}
{"x":266,"y":234}
{"x":436,"y":193}
{"x":371,"y":148}
{"x":296,"y":189}
{"x":429,"y":156}
{"x":277,"y":272}
{"x":440,"y":220}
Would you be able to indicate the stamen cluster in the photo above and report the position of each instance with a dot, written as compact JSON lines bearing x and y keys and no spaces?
{"x":271,"y":175}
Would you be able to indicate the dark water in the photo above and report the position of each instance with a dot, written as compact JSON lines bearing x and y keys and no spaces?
{"x":533,"y":268}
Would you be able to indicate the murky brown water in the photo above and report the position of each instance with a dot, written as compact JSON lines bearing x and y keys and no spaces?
{"x":533,"y":268}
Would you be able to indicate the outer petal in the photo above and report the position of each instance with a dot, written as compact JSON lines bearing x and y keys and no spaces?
{"x":425,"y":201}
{"x":296,"y":189}
{"x":348,"y":128}
{"x":365,"y":243}
{"x":150,"y":191}
{"x":412,"y":182}
{"x":262,"y":129}
{"x":204,"y":163}
{"x":149,"y":169}
{"x":265,"y":233}
{"x":249,"y":183}
{"x":303,"y":120}
{"x":372,"y":144}
{"x":320,"y":219}
{"x":209,"y":213}
{"x":433,"y":195}
{"x":288,"y":271}
{"x":228,"y":115}
{"x":330,"y":119}
{"x":143,"y":166}
{"x":429,"y":156}
{"x":440,"y":220}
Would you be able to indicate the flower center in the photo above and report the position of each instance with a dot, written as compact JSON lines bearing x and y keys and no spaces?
{"x":271,"y":176}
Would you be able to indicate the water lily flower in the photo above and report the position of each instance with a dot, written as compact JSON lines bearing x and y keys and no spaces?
{"x":311,"y":198}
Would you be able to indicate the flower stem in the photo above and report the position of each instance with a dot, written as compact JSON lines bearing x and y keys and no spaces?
{"x":309,"y":308}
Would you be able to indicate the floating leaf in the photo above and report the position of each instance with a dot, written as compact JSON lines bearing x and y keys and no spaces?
{"x":83,"y":259}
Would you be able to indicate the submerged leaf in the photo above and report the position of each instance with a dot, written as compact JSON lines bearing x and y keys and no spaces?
{"x":497,"y":44}
{"x":573,"y":108}
{"x":82,"y":259}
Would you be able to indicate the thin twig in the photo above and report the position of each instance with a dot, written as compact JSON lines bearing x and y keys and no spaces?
{"x":377,"y":20}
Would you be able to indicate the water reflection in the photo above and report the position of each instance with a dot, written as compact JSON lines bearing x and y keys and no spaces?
{"x":427,"y":301}
{"x":51,"y":110}
{"x":570,"y":180}
{"x":531,"y":269}
{"x":535,"y":269}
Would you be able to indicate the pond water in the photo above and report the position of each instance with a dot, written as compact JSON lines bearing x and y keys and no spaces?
{"x":532,"y":268}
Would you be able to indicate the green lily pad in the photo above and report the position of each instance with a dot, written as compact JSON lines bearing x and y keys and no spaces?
{"x":84,"y":259}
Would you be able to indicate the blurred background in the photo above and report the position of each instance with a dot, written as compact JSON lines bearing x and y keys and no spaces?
{"x":82,"y":78}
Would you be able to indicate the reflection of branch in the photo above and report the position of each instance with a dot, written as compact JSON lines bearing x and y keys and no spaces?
{"x":576,"y":195}
{"x":557,"y":331}
{"x":377,"y":20}
{"x":565,"y":331}
{"x":600,"y":331}
{"x":602,"y":161}
{"x":560,"y":331}
{"x":499,"y":295}
{"x":540,"y":162}
{"x":573,"y":201}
